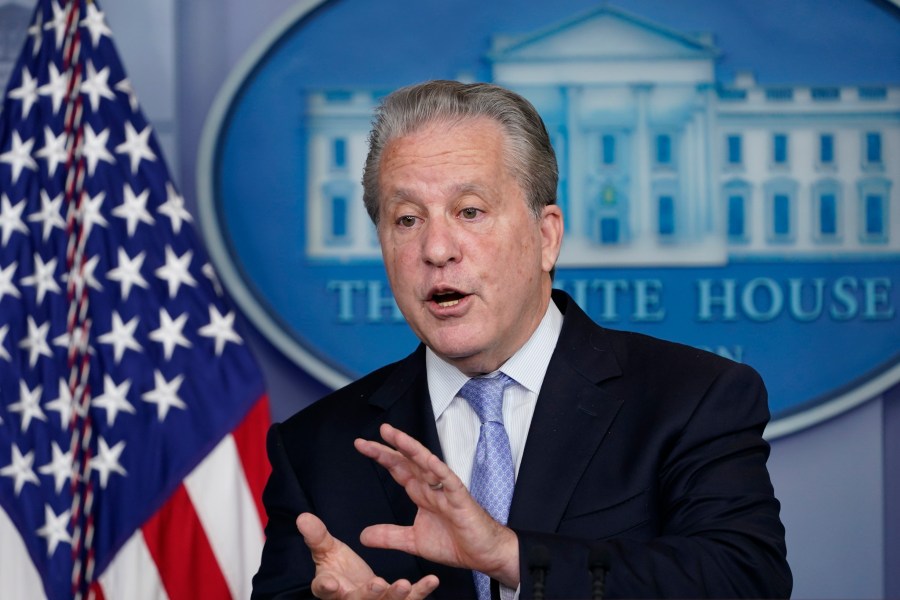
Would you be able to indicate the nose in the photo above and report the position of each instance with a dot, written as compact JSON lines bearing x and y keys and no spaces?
{"x":440,"y":245}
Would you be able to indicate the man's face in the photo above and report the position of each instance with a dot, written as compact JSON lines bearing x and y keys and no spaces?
{"x":469,"y":264}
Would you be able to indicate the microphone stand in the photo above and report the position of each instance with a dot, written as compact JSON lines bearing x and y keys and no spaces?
{"x":598,"y":563}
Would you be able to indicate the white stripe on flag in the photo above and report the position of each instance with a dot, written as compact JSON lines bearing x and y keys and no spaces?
{"x":132,"y":573}
{"x":18,"y":577}
{"x":221,"y":495}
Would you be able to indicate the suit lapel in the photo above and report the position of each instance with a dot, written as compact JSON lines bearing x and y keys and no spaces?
{"x":404,"y":401}
{"x":571,"y":418}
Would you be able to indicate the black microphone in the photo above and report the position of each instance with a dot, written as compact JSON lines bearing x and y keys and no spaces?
{"x":538,"y":565}
{"x":598,"y":563}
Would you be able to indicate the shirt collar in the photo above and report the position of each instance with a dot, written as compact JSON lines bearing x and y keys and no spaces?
{"x":527,"y":366}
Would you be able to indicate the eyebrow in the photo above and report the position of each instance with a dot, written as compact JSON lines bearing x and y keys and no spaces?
{"x":461,"y":189}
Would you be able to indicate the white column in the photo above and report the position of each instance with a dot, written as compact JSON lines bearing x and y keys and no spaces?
{"x":641,"y":213}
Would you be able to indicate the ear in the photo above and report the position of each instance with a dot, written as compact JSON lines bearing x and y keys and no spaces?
{"x":551,"y":235}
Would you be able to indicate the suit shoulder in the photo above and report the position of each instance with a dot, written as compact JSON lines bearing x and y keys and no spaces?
{"x":650,"y":355}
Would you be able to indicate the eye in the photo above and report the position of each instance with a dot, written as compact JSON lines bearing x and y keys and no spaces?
{"x":406,"y":221}
{"x":469,"y":213}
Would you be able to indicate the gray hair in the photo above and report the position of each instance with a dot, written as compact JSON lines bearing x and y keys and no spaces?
{"x":529,"y":155}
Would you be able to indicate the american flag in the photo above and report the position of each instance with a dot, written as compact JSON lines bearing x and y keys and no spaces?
{"x":132,"y":415}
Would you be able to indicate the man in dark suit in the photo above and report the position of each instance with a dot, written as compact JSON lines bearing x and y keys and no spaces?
{"x":635,"y":459}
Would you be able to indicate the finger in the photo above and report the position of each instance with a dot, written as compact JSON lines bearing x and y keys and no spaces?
{"x":399,"y":590}
{"x":391,"y":537}
{"x":325,"y":587}
{"x":423,"y":588}
{"x":315,"y":534}
{"x":328,"y":587}
{"x":431,"y":468}
{"x":401,"y":468}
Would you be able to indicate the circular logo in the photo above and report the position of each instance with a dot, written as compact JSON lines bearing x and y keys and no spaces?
{"x":704,"y":204}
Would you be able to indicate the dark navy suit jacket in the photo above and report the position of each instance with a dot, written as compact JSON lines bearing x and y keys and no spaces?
{"x":650,"y":449}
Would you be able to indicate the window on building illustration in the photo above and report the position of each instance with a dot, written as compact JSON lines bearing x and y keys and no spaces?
{"x":737,"y":227}
{"x":781,"y":215}
{"x":872,"y":93}
{"x":825,"y":94}
{"x":608,"y":149}
{"x":338,"y":96}
{"x":874,"y":216}
{"x":664,"y":150}
{"x":874,"y":226}
{"x":339,"y":153}
{"x":779,"y":94}
{"x":780,"y":149}
{"x":609,"y":230}
{"x":339,"y":218}
{"x":666,"y":215}
{"x":873,"y":148}
{"x":826,"y":149}
{"x":828,"y":215}
{"x":734,"y":150}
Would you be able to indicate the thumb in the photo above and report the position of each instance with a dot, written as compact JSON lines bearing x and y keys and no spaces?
{"x":315,"y":534}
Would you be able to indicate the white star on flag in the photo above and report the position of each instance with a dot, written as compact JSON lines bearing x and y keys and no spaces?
{"x":86,"y":276}
{"x":49,"y":215}
{"x":176,"y":270}
{"x":170,"y":333}
{"x":164,"y":395}
{"x":91,"y":213}
{"x":7,"y":288}
{"x":173,"y":208}
{"x":128,"y":273}
{"x":4,"y":353}
{"x":121,"y":336}
{"x":55,"y":528}
{"x":29,"y":405}
{"x":96,"y":24}
{"x":60,"y":466}
{"x":54,"y":151}
{"x":114,"y":399}
{"x":58,"y":23}
{"x":126,"y":88}
{"x":11,"y":218}
{"x":107,"y":461}
{"x":136,"y":146}
{"x":133,"y":209}
{"x":27,"y":92}
{"x":95,"y":85}
{"x":19,"y":156}
{"x":94,"y":148}
{"x":56,"y":87}
{"x":62,"y":404}
{"x":36,"y":33}
{"x":210,"y":274}
{"x":36,"y":341}
{"x":42,"y":279}
{"x":20,"y":469}
{"x":221,"y":328}
{"x":76,"y":340}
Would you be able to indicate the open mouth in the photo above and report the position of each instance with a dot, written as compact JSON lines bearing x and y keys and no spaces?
{"x":447,"y":299}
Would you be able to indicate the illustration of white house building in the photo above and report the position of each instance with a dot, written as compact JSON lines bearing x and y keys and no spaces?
{"x":660,"y":164}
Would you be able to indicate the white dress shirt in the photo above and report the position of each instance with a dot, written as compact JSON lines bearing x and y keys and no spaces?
{"x":458,"y":425}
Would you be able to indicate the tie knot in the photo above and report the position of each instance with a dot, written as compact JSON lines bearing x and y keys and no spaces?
{"x":485,"y":395}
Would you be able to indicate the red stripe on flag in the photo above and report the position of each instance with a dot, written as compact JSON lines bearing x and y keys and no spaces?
{"x":177,"y":542}
{"x":250,"y":438}
{"x":96,"y":591}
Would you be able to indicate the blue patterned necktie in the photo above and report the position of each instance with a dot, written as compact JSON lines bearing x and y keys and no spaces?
{"x":493,"y":471}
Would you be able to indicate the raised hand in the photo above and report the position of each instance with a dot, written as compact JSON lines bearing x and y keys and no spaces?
{"x":342,"y":574}
{"x":450,"y":527}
